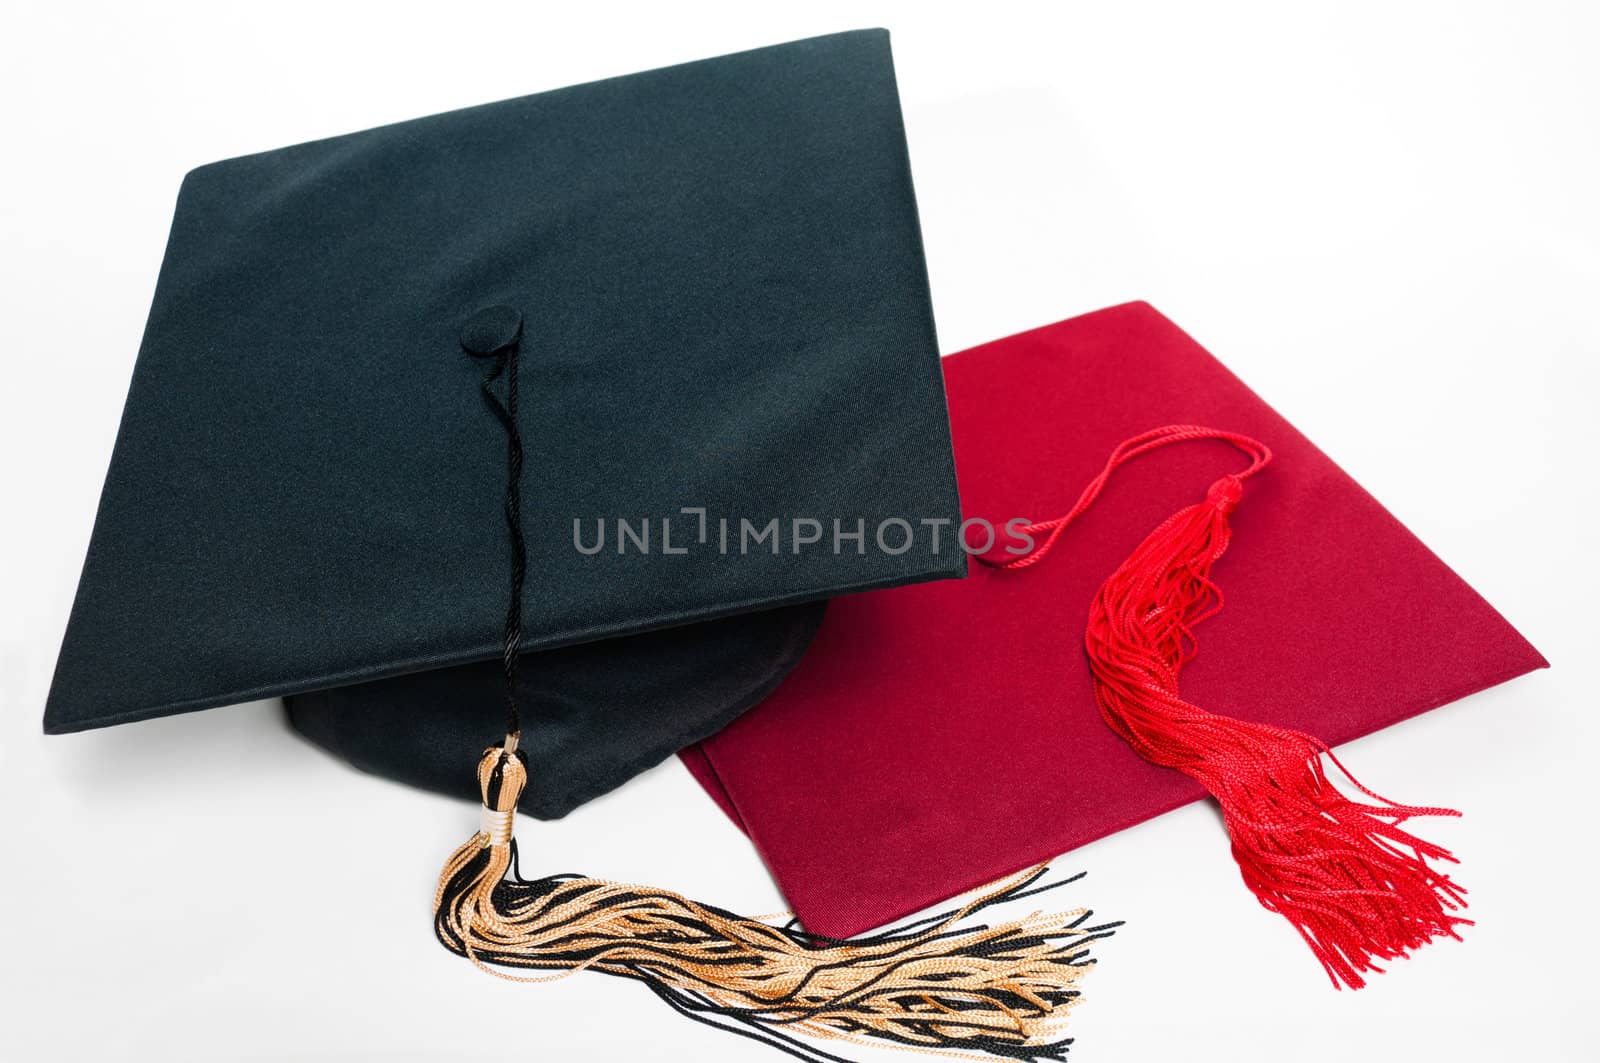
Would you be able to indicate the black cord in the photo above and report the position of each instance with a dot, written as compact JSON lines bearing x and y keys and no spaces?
{"x":506,"y":365}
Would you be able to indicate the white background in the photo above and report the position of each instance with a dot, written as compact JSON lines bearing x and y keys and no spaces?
{"x":1383,"y":216}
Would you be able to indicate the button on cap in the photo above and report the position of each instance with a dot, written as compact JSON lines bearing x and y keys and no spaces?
{"x":491,"y":330}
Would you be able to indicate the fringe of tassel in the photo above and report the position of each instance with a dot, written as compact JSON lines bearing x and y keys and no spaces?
{"x":1357,"y":886}
{"x":936,"y":985}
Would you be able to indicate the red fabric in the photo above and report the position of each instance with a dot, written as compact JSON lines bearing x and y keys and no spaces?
{"x":939,"y":736}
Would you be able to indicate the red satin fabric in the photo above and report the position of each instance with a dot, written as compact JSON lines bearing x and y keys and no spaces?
{"x":938,"y":736}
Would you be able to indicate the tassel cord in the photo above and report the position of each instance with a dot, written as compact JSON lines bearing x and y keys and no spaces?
{"x":1125,"y":452}
{"x":506,"y":365}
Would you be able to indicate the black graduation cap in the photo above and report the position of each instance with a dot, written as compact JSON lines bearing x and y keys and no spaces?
{"x":715,"y":280}
{"x":623,"y":379}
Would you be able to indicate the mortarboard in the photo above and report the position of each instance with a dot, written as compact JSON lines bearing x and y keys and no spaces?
{"x":723,"y":307}
{"x":695,"y":302}
{"x":955,"y":732}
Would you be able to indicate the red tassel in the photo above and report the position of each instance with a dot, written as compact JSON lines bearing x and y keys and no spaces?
{"x":1357,"y":887}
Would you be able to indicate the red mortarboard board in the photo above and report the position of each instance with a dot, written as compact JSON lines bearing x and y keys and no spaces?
{"x":912,"y":699}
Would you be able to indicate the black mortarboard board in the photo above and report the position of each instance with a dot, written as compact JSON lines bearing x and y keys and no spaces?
{"x":723,"y":304}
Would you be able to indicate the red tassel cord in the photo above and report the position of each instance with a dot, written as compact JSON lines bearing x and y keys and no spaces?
{"x":1357,"y":886}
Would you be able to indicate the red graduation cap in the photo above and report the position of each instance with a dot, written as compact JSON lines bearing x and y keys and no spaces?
{"x":938,"y":736}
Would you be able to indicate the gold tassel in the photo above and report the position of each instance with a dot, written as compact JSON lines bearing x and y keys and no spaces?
{"x":930,"y":985}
